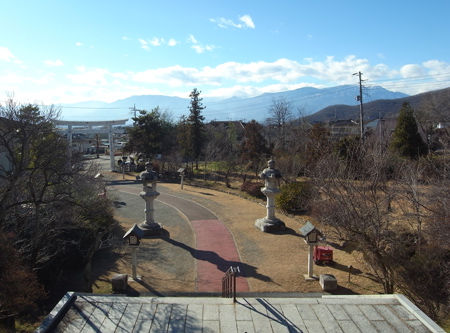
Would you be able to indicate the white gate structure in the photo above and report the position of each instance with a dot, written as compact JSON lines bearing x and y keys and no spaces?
{"x":92,"y":127}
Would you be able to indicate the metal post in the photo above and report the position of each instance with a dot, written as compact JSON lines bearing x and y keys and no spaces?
{"x":134,"y":262}
{"x":234,"y":287}
{"x":182,"y":179}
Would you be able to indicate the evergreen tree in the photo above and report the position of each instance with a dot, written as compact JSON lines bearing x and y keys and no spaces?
{"x":406,"y":140}
{"x":196,"y":130}
{"x":151,"y":133}
{"x":183,"y":138}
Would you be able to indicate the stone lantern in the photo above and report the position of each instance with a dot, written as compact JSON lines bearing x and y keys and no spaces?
{"x":149,"y":194}
{"x":311,"y":237}
{"x":272,"y":179}
{"x":182,"y":172}
{"x":133,"y":236}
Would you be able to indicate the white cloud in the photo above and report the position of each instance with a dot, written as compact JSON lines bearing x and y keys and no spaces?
{"x":156,"y":41}
{"x":285,"y":74}
{"x":245,"y":21}
{"x":54,"y":63}
{"x":173,"y":76}
{"x":437,"y":68}
{"x":192,"y":39}
{"x":94,"y":77}
{"x":223,"y":80}
{"x":125,"y":38}
{"x":6,"y":54}
{"x":144,"y":44}
{"x":199,"y":48}
{"x":251,"y":91}
{"x":78,"y":44}
{"x":13,"y":78}
{"x":225,"y":23}
{"x":411,"y":70}
{"x":282,"y":70}
{"x":202,"y":49}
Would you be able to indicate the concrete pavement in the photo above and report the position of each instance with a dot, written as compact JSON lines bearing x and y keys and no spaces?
{"x":214,"y":249}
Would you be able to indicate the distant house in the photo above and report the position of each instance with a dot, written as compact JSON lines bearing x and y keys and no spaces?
{"x":342,"y":128}
{"x":386,"y":126}
{"x":443,"y":124}
{"x":384,"y":129}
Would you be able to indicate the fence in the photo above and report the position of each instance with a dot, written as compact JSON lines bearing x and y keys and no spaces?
{"x":229,"y":283}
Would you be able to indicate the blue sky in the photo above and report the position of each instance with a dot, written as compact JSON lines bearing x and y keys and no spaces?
{"x":55,"y":52}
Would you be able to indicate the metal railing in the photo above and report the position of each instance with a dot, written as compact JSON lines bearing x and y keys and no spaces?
{"x":229,"y":283}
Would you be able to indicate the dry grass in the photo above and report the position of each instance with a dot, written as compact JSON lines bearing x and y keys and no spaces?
{"x":277,"y":261}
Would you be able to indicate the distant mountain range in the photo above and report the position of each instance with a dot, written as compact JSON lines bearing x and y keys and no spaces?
{"x":438,"y":100}
{"x":307,"y":100}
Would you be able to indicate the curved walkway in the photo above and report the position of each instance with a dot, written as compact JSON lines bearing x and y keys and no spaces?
{"x":215,"y":249}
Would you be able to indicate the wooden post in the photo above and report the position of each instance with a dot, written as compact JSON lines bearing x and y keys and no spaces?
{"x":134,"y":261}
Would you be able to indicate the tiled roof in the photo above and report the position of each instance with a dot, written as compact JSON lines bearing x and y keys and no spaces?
{"x":329,"y":313}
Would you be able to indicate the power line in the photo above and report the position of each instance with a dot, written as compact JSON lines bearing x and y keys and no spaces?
{"x":429,"y":76}
{"x":82,"y":107}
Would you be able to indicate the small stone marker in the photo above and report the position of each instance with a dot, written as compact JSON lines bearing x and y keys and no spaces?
{"x":328,"y":282}
{"x":119,"y":283}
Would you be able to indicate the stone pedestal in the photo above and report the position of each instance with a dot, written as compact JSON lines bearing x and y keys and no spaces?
{"x":149,"y":226}
{"x":270,"y":223}
{"x":328,"y":282}
{"x":119,"y":283}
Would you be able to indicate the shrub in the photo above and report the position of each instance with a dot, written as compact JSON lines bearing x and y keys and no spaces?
{"x":254,"y":189}
{"x":294,"y":197}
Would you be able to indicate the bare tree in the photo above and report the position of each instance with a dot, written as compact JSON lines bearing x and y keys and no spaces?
{"x":357,"y":211}
{"x":223,"y":147}
{"x":49,"y":203}
{"x":396,"y":215}
{"x":19,"y":288}
{"x":280,"y":115}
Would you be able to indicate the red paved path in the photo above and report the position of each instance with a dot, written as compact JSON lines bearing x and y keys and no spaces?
{"x":215,"y":248}
{"x":217,"y":253}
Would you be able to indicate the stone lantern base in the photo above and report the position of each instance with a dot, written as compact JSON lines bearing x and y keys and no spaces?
{"x":270,"y":225}
{"x":151,"y":229}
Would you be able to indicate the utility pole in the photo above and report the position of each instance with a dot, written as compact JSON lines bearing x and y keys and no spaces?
{"x":134,"y":110}
{"x":361,"y":110}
